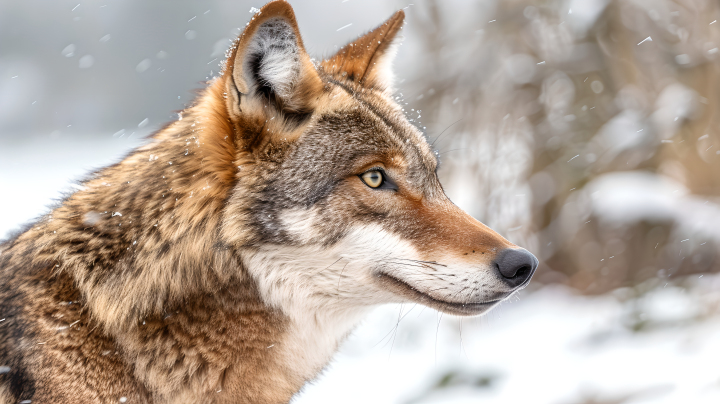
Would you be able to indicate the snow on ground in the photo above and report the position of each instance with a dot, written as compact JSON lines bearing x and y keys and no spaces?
{"x":545,"y":346}
{"x":548,"y":346}
{"x":632,"y":196}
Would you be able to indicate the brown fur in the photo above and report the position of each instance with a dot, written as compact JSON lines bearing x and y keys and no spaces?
{"x":137,"y":285}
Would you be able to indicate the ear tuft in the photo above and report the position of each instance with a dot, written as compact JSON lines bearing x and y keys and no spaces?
{"x":273,"y":59}
{"x":268,"y":67}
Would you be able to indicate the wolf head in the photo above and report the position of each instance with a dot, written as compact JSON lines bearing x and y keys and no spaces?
{"x":337,"y":202}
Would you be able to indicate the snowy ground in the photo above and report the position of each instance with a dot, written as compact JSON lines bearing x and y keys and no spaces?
{"x":548,"y":346}
{"x":545,"y":346}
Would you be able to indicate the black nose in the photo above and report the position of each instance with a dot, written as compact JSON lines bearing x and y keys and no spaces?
{"x":516,"y":266}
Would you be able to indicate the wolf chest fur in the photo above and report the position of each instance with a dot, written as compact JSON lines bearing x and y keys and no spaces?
{"x":226,"y":259}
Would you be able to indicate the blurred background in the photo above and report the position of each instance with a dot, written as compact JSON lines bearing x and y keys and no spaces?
{"x":584,"y":130}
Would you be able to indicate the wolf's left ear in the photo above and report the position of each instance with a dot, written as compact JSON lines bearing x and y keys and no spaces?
{"x":368,"y":60}
{"x":269,"y":65}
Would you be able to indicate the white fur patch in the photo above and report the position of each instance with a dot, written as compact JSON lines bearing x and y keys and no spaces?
{"x":326,"y":291}
{"x":334,"y":279}
{"x":275,"y":45}
{"x":299,"y":224}
{"x":382,"y":71}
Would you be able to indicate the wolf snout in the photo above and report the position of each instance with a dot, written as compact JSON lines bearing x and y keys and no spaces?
{"x":515,"y":266}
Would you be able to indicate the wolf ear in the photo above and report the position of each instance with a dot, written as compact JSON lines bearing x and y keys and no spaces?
{"x":368,"y":60}
{"x":269,"y":65}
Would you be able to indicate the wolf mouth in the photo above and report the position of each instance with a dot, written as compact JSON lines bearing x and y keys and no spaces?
{"x":459,"y":309}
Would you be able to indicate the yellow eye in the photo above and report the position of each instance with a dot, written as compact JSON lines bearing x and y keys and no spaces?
{"x":373,"y":179}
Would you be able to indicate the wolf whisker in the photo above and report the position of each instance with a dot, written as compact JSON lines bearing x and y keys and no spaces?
{"x":413,"y":263}
{"x":437,"y":275}
{"x":424,"y":262}
{"x":267,"y":197}
{"x":462,"y":344}
{"x":398,"y":323}
{"x":437,"y":331}
{"x":448,"y":151}
{"x":410,"y":265}
{"x":339,"y":279}
{"x":318,"y":273}
{"x":441,"y":133}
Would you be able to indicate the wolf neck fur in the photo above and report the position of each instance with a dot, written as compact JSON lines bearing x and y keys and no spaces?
{"x":142,"y":243}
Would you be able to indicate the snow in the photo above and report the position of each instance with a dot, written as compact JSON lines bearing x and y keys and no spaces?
{"x":143,"y":65}
{"x":582,"y":14}
{"x":86,"y":62}
{"x":520,"y":67}
{"x":549,"y":346}
{"x":643,"y":345}
{"x":69,"y":51}
{"x":632,"y":196}
{"x":675,"y":103}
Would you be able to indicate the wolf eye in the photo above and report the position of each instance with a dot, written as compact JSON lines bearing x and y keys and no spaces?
{"x":373,"y":179}
{"x":377,"y":179}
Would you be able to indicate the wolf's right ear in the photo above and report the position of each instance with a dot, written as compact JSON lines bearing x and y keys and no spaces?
{"x":268,"y":66}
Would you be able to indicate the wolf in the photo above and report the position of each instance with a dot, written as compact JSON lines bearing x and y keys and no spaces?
{"x":226,"y":259}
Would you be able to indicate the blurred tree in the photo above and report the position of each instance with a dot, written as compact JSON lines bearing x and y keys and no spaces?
{"x":587,"y":130}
